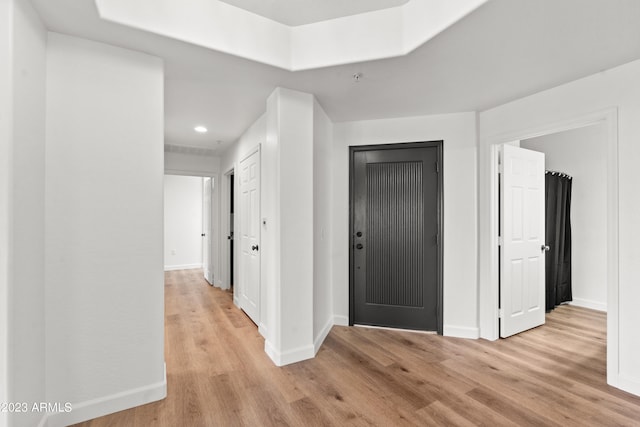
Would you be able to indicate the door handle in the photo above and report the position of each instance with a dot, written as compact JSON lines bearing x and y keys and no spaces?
{"x":254,"y":247}
{"x":359,"y":246}
{"x":545,"y":248}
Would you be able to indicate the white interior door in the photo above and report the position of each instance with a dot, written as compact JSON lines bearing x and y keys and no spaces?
{"x":206,"y":229}
{"x":522,"y":231}
{"x":250,"y":236}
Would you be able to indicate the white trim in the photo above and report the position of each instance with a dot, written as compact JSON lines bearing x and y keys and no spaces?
{"x":106,"y":405}
{"x":317,"y":343}
{"x":206,"y":174}
{"x":586,"y":303}
{"x":624,"y":383}
{"x":339,"y":320}
{"x":250,"y":153}
{"x":290,"y":356}
{"x":460,"y":332}
{"x":182,"y":267}
{"x":262,"y":329}
{"x":489,"y":279}
{"x":388,"y":328}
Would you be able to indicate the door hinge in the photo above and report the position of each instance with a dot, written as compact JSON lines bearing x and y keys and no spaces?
{"x":501,"y":313}
{"x":500,"y":241}
{"x":437,"y":167}
{"x":437,"y":237}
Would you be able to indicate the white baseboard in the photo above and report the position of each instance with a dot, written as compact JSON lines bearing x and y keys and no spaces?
{"x":624,"y":383}
{"x":182,"y":267}
{"x":290,"y":356}
{"x":317,"y":343}
{"x":460,"y":332}
{"x":95,"y":408}
{"x":340,"y":320}
{"x":594,"y":305}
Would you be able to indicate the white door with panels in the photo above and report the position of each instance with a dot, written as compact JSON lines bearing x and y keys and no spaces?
{"x":207,"y":267}
{"x":522,"y":236}
{"x":249,"y":288}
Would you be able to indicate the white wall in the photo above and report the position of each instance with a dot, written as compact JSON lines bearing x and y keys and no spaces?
{"x":189,"y":164}
{"x":287,"y":205}
{"x":22,"y":278}
{"x":104,"y":191}
{"x":620,"y":88}
{"x":582,"y":153}
{"x":322,"y":204}
{"x":285,"y":134}
{"x":460,"y":229}
{"x":182,"y":222}
{"x":6,"y":202}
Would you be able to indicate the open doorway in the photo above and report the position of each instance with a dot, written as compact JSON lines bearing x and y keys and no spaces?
{"x":189,"y":224}
{"x":231,"y":182}
{"x":489,"y":283}
{"x":229,"y":258}
{"x":581,"y":155}
{"x":574,"y":159}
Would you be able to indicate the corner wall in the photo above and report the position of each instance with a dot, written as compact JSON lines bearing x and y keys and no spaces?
{"x":460,"y":205}
{"x":22,"y":210}
{"x":322,"y":206}
{"x":104,"y":191}
{"x":6,"y":202}
{"x":288,"y":234}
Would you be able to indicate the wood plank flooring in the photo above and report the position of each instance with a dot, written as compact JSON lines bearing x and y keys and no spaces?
{"x":219,"y":375}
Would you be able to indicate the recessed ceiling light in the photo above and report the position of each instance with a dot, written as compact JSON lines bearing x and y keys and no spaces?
{"x":200,"y":129}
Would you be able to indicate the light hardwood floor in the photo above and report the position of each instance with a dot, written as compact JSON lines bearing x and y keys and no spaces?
{"x":219,"y":375}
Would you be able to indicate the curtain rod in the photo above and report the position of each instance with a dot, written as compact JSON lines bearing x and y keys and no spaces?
{"x":561,"y":174}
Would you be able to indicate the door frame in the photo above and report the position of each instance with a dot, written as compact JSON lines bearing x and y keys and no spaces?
{"x":211,"y":238}
{"x":225,"y":206}
{"x":215,"y":215}
{"x":489,"y":276}
{"x":440,"y":207}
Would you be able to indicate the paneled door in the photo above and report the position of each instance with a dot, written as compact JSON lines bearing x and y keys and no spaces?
{"x":522,"y":234}
{"x":249,"y":211}
{"x":396,"y":236}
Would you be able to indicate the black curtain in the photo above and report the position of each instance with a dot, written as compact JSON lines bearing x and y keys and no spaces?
{"x":558,"y":238}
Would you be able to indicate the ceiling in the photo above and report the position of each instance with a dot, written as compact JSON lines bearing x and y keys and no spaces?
{"x":504,"y":50}
{"x":300,"y":12}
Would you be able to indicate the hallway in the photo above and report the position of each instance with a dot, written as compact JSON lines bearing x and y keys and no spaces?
{"x":219,"y":375}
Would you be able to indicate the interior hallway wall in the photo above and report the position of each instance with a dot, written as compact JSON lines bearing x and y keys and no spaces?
{"x":103,"y":231}
{"x":182,"y":222}
{"x":23,"y":40}
{"x":582,"y":153}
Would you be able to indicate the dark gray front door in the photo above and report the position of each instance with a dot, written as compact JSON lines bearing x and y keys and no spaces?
{"x":395,"y":224}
